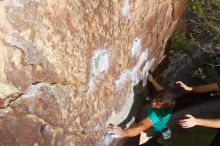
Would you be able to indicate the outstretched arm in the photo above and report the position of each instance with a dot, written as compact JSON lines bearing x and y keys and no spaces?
{"x":154,"y":82}
{"x":199,"y":89}
{"x":131,"y":132}
{"x":192,"y":121}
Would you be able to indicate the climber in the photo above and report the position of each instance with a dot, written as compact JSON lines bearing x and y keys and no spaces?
{"x":191,"y":121}
{"x":157,"y":115}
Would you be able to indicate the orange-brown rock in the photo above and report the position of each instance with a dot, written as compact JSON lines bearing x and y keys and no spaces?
{"x":73,"y":65}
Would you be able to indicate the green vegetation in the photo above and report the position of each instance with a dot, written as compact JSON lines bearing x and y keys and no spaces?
{"x":208,"y":12}
{"x":183,"y":42}
{"x":203,"y":43}
{"x":207,"y":65}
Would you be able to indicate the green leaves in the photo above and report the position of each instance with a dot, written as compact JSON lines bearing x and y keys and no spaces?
{"x":182,"y":42}
{"x":208,"y":12}
{"x":207,"y":63}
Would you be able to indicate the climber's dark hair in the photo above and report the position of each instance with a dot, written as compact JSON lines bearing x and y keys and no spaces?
{"x":166,"y":98}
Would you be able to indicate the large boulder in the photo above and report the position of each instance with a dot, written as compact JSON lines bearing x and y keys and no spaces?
{"x":68,"y":67}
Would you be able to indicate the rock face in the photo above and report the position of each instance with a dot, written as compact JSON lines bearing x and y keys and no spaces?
{"x":67,"y":68}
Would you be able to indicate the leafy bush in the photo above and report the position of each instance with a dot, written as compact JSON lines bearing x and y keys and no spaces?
{"x":208,"y":12}
{"x":203,"y":44}
{"x":181,"y":41}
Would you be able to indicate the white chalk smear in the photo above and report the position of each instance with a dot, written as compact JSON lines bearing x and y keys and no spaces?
{"x":14,"y":4}
{"x":137,"y":73}
{"x":122,"y":78}
{"x":125,"y":11}
{"x":36,"y":144}
{"x":136,"y":48}
{"x":99,"y":66}
{"x":100,"y":61}
{"x":146,"y":69}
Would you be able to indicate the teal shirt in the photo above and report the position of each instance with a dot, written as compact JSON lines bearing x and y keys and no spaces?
{"x":159,"y":117}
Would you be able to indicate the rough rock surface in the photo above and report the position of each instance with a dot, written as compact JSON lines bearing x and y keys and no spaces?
{"x":67,"y":68}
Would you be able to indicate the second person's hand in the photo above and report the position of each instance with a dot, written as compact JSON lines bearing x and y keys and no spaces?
{"x":184,"y":86}
{"x":189,"y":122}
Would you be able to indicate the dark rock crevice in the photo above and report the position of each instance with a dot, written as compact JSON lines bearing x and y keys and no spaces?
{"x":6,"y":102}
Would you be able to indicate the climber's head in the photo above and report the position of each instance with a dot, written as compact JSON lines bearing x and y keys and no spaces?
{"x":164,"y":99}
